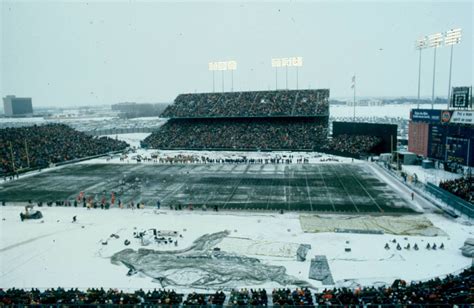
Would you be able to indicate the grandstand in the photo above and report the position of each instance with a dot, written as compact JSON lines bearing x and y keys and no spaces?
{"x":35,"y":147}
{"x":259,"y":120}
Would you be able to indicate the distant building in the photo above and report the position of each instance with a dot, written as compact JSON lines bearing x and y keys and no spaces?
{"x":17,"y":106}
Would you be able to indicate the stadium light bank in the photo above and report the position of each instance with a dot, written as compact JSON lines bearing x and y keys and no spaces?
{"x":222,"y":66}
{"x":450,"y":38}
{"x":421,"y":44}
{"x":286,"y":62}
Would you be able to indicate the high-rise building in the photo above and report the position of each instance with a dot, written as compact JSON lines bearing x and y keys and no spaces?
{"x":17,"y":106}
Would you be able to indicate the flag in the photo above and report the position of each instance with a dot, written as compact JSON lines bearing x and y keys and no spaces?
{"x":353,"y":82}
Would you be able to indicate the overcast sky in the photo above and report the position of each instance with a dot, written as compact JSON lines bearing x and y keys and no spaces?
{"x":66,"y":53}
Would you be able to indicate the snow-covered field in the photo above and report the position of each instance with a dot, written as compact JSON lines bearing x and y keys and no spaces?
{"x":55,"y":252}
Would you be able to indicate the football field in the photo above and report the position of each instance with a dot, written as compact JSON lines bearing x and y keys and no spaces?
{"x":342,"y":187}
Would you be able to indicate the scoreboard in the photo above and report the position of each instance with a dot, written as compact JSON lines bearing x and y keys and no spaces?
{"x":446,"y":135}
{"x":451,"y":143}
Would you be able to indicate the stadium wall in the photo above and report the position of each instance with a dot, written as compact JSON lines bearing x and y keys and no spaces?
{"x":387,"y":132}
{"x":453,"y":201}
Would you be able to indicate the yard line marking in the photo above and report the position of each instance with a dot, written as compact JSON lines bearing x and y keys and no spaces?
{"x":363,"y":187}
{"x":327,"y":189}
{"x":307,"y":190}
{"x":347,"y":193}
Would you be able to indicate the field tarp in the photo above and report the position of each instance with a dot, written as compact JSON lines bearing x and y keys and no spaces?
{"x":403,"y":225}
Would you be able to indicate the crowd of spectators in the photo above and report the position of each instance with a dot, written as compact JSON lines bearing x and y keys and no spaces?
{"x":88,"y":297}
{"x":453,"y":289}
{"x":250,"y":104}
{"x":242,"y":134}
{"x":351,"y":144}
{"x":447,"y":291}
{"x":463,"y":188}
{"x":38,"y":146}
{"x":257,"y":297}
{"x":298,"y":297}
{"x":198,"y":299}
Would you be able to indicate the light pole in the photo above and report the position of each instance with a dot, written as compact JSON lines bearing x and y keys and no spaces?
{"x":452,"y":38}
{"x":297,"y":62}
{"x":232,"y":66}
{"x":276,"y":63}
{"x":353,"y":86}
{"x":435,"y":41}
{"x":212,"y":66}
{"x":421,"y":44}
{"x":286,"y":62}
{"x":222,"y":66}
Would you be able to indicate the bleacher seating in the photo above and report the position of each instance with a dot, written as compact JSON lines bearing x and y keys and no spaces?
{"x":239,"y":134}
{"x":38,"y":146}
{"x":437,"y":292}
{"x":250,"y":104}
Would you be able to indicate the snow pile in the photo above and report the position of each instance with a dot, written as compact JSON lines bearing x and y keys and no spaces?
{"x":403,"y":225}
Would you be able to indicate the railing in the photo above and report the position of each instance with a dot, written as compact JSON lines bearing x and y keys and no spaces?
{"x":453,"y":201}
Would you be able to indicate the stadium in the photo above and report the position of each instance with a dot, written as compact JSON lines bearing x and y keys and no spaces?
{"x":239,"y":198}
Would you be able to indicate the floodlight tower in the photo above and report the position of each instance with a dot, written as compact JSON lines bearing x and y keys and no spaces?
{"x":435,"y":41}
{"x":276,"y":63}
{"x":297,"y":62}
{"x":232,"y":66}
{"x":421,"y":44}
{"x":212,"y":66}
{"x":452,"y":38}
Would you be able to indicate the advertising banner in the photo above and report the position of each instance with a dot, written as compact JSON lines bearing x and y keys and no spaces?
{"x":463,"y":117}
{"x":426,"y":115}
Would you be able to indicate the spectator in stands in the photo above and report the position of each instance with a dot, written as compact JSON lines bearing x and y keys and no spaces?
{"x":451,"y":290}
{"x":250,"y":104}
{"x":352,"y":144}
{"x":463,"y":188}
{"x":263,"y":134}
{"x":38,"y":146}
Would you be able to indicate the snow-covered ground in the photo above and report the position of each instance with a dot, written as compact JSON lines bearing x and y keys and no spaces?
{"x":390,"y":111}
{"x":55,"y":252}
{"x":132,"y":139}
{"x":434,"y":176}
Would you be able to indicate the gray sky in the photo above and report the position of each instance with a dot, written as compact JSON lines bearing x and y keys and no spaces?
{"x":66,"y":53}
